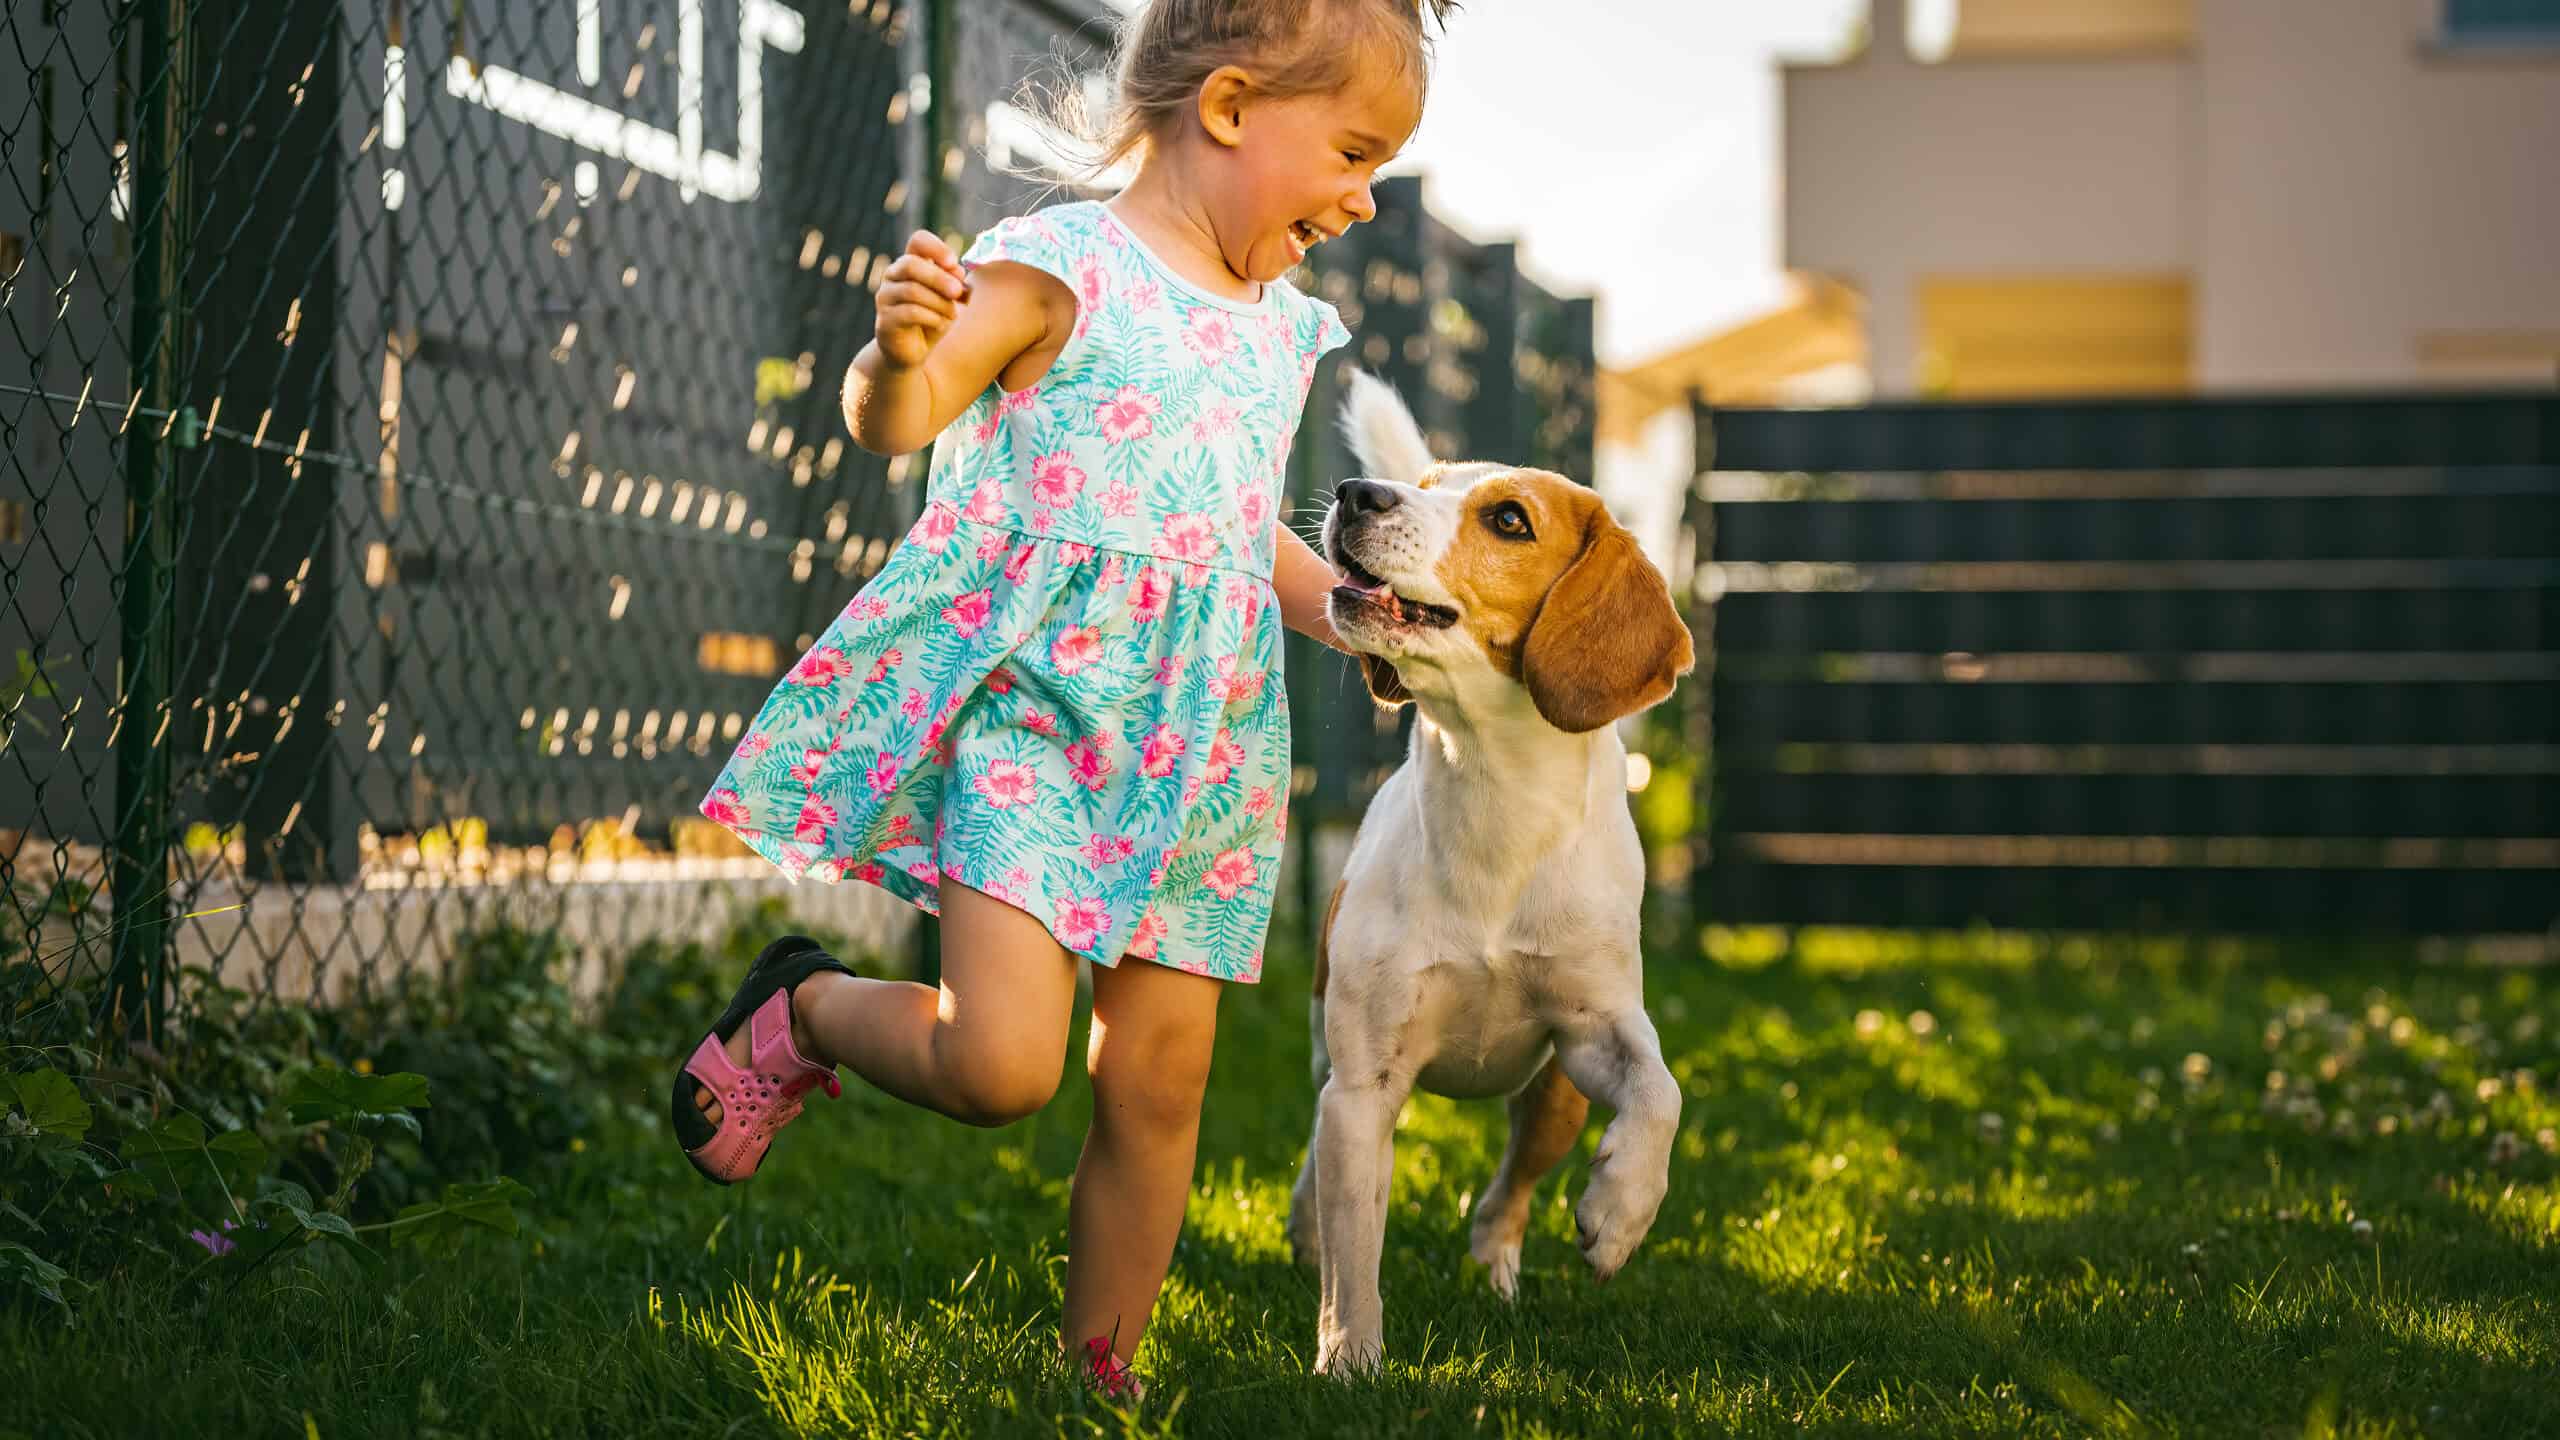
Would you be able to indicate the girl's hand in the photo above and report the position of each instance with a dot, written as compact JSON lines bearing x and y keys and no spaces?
{"x":919,"y":298}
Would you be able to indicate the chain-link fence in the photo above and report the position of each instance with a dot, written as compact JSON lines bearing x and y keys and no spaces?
{"x":422,"y":448}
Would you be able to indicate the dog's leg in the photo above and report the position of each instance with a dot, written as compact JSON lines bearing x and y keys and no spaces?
{"x":1617,"y":1060}
{"x":1355,"y":1160}
{"x":1302,"y":1195}
{"x":1546,"y":1120}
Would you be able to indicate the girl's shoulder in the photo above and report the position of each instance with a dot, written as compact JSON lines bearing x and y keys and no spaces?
{"x":1052,"y":239}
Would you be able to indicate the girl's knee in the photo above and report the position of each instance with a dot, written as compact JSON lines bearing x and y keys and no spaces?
{"x":999,"y":1091}
{"x":1155,"y":1082}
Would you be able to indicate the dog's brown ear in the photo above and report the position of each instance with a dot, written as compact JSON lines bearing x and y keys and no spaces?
{"x":1607,"y":642}
{"x":1385,"y":685}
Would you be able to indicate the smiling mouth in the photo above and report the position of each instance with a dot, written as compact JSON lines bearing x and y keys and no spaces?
{"x":1359,"y":587}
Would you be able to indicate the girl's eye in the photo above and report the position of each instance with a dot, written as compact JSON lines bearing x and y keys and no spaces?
{"x":1510,"y":520}
{"x":1354,"y":156}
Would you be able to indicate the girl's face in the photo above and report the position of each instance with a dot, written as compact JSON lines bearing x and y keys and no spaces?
{"x":1296,"y":172}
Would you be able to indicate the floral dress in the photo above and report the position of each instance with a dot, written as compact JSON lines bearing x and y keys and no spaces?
{"x":1063,"y":689}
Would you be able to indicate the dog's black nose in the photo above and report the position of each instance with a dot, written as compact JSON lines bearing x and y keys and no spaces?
{"x":1364,"y":497}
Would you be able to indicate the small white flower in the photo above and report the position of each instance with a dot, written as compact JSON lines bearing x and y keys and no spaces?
{"x":1869,"y":1022}
{"x":2505,"y":1148}
{"x":2362,"y":1229}
{"x":1922,"y":1023}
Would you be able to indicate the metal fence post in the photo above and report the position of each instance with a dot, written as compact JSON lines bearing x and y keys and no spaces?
{"x":139,"y":878}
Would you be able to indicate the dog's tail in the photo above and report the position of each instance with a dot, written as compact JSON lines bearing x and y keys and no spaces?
{"x":1382,"y":432}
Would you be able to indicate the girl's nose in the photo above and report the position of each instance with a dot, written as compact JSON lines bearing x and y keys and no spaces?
{"x":1362,"y":205}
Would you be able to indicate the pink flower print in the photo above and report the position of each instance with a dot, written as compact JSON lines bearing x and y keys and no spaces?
{"x":1087,"y":765}
{"x":915,"y":705}
{"x":1078,"y":921}
{"x":868,"y":872}
{"x":1041,"y":722}
{"x":1217,"y":423}
{"x":986,"y":504}
{"x":1155,"y":877}
{"x":815,"y":816}
{"x":1093,"y":286}
{"x":1234,"y":684}
{"x":1044,"y":521}
{"x":1022,"y":399}
{"x":889,"y":660}
{"x":1148,"y":596}
{"x":1104,"y":850}
{"x":926,"y":871}
{"x":932,"y":738}
{"x":1151,"y":929}
{"x":1119,"y":501}
{"x":756,"y":743}
{"x":1162,"y":749}
{"x":869,"y":607}
{"x":822,"y":666}
{"x":1280,"y":823}
{"x":1224,"y":756}
{"x":1014,"y":889}
{"x":811,"y":764}
{"x":1233,"y":873}
{"x":725,"y":807}
{"x":1020,"y":564}
{"x":883,"y":773}
{"x":1113,"y":572}
{"x":935,"y":527}
{"x":1145,"y":295}
{"x":1006,"y":784}
{"x":985,"y":430}
{"x":1254,"y":508}
{"x":1000,"y":681}
{"x":1169,"y":670}
{"x":1073,"y":552}
{"x":1245,"y":598}
{"x":1192,"y":787}
{"x":1188,"y":535}
{"x":991,"y":544}
{"x":1210,"y":334}
{"x":968,"y":614}
{"x":902,"y":833}
{"x":1258,"y":803}
{"x":1056,"y":480}
{"x":1075,"y":649}
{"x":1130,"y":414}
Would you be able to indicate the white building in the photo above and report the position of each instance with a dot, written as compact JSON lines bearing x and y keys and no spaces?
{"x":2223,"y":195}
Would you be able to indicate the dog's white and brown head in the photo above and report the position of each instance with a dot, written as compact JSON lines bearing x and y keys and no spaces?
{"x":1471,"y":586}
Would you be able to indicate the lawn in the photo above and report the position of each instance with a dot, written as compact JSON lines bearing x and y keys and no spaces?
{"x":1961,"y":1189}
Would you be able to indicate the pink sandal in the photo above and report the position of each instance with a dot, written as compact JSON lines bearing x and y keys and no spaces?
{"x":754,"y":1102}
{"x":1109,"y":1375}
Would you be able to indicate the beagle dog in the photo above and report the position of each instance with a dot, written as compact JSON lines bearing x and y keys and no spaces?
{"x":1483,"y":941}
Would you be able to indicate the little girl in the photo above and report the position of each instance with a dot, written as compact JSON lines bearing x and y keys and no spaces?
{"x":1056,"y":717}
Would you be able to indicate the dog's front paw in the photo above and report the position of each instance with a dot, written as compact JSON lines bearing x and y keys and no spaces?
{"x":1342,"y":1354}
{"x":1618,"y":1208}
{"x":1496,"y":1246}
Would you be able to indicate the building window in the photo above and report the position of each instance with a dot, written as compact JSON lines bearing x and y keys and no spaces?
{"x":2497,"y":24}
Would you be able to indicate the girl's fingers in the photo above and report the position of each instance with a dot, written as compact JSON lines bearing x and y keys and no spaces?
{"x":921,"y":297}
{"x":941,"y":279}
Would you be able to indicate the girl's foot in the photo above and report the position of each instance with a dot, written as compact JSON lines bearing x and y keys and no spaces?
{"x":747,"y":1077}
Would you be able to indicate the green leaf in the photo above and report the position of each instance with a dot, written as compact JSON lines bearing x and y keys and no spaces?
{"x":131,"y":1185}
{"x":329,"y":1093}
{"x":33,"y":1271}
{"x":442,"y":1224}
{"x":51,"y":1102}
{"x":179,"y":1144}
{"x":286,"y":1211}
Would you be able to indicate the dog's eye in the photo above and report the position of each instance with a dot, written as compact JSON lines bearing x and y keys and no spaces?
{"x":1509,"y":520}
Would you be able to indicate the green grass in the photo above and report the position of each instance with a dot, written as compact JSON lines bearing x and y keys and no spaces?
{"x":2142,"y":1242}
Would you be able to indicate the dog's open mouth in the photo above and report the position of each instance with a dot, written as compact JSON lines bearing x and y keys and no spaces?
{"x":1360,"y":587}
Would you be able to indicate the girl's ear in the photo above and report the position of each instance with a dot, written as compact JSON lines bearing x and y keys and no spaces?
{"x":1222,"y":98}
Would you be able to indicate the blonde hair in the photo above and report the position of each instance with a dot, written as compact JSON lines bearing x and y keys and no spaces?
{"x":1165,"y":50}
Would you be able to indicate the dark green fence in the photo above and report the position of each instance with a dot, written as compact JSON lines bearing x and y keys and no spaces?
{"x":2206,"y":666}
